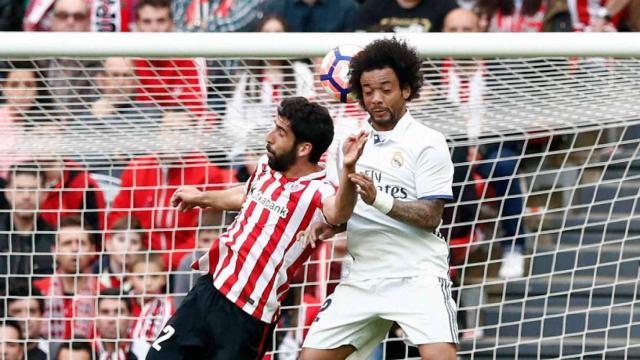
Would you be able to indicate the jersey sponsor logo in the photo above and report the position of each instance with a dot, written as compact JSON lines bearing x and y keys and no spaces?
{"x":268,"y":204}
{"x":396,"y":191}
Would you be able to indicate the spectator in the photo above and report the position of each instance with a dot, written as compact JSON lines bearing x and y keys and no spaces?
{"x":257,"y":94}
{"x":168,"y":83}
{"x":26,"y":305}
{"x":123,"y":244}
{"x":113,"y":326}
{"x":315,"y":15}
{"x":404,"y":15}
{"x":70,"y":293}
{"x":78,"y":349}
{"x":25,"y":239}
{"x":23,"y":92}
{"x":511,"y":15}
{"x":153,"y":307}
{"x":116,"y":106}
{"x":101,"y":15}
{"x":11,"y":13}
{"x":69,"y":80}
{"x":215,"y":15}
{"x":11,"y":345}
{"x":71,"y":190}
{"x":209,"y":229}
{"x":118,"y":84}
{"x":148,"y":182}
{"x":598,"y":15}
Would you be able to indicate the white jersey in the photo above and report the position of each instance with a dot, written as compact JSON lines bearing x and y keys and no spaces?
{"x":410,"y":162}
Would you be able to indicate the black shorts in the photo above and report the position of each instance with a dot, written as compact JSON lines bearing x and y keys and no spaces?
{"x":209,"y":326}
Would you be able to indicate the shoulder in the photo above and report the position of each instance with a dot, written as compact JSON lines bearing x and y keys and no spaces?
{"x":324,"y":187}
{"x":421,"y":135}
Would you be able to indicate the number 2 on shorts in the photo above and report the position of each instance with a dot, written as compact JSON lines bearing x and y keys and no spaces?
{"x":168,"y":332}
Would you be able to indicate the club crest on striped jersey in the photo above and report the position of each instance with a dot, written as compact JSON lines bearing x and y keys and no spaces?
{"x":293,"y":186}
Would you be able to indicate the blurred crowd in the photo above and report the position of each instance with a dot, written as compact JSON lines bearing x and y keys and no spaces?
{"x":89,"y":273}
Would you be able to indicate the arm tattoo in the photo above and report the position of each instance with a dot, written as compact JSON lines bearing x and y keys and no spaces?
{"x":425,"y":214}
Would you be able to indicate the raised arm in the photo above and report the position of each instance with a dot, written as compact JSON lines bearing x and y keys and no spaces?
{"x":187,"y":197}
{"x":337,"y":209}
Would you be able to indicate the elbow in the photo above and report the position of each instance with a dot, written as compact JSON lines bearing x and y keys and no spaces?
{"x":430,"y":225}
{"x":340,"y":217}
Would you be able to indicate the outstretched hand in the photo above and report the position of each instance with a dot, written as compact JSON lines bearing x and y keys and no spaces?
{"x":353,"y":147}
{"x":316,"y":231}
{"x":185,"y":198}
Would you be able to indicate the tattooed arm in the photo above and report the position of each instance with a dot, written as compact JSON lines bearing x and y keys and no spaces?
{"x":425,"y":214}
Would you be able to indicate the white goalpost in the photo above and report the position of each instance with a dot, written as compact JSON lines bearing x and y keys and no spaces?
{"x":544,"y":132}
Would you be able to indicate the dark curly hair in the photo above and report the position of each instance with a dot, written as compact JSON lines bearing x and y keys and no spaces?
{"x":310,"y":122}
{"x":391,"y":53}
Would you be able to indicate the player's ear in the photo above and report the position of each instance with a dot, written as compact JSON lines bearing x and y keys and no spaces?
{"x":304,"y":149}
{"x":406,"y":92}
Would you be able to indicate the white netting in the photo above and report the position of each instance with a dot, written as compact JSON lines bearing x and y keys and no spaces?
{"x":564,"y":130}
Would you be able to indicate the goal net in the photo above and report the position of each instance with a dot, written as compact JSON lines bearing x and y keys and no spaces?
{"x":544,"y":229}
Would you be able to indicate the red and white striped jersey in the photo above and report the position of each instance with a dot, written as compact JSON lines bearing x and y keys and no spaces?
{"x":253,"y":261}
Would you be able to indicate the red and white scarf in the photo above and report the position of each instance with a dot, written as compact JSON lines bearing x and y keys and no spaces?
{"x":154,"y":315}
{"x":121,"y":353}
{"x":71,"y":315}
{"x":106,"y":16}
{"x":198,"y":12}
{"x":517,"y":22}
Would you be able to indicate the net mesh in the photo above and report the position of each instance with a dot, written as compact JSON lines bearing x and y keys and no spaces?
{"x":546,"y":159}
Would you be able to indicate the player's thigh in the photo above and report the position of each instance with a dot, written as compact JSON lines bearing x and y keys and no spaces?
{"x":184,"y":335}
{"x":350,"y":316}
{"x":438,"y":351}
{"x":339,"y":353}
{"x":244,"y":338}
{"x":424,"y":309}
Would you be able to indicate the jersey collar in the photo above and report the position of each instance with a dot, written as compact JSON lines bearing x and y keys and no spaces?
{"x":396,"y":134}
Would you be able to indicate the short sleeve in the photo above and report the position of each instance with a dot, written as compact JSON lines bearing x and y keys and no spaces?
{"x":325,"y":191}
{"x":434,"y":172}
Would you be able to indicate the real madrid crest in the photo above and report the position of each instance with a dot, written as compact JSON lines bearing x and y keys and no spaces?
{"x":397,"y":160}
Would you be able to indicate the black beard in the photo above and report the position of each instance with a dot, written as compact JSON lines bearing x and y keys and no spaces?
{"x":283,"y":162}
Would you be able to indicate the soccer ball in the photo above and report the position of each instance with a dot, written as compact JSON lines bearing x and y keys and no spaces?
{"x":335,"y":74}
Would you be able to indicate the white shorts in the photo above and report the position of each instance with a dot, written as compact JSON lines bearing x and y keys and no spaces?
{"x":360,"y":313}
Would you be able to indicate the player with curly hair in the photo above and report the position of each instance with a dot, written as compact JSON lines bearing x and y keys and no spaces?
{"x":400,"y":260}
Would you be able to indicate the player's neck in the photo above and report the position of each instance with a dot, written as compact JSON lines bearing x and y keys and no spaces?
{"x":301,"y":169}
